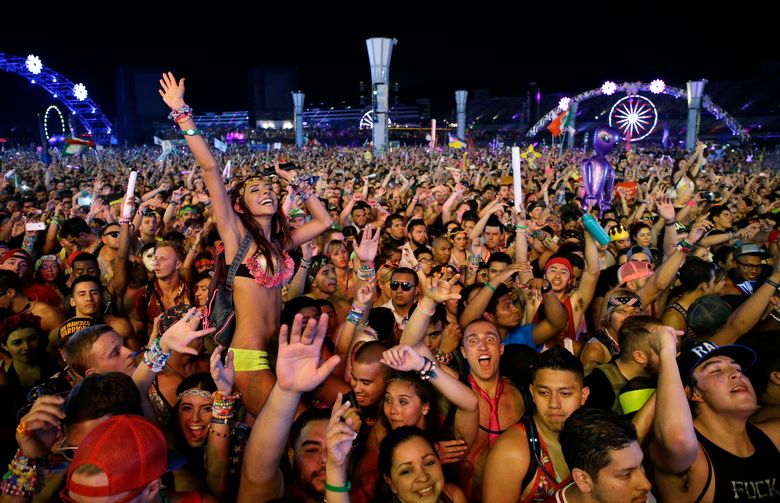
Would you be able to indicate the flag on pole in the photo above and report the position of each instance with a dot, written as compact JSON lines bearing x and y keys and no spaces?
{"x":76,"y":145}
{"x":560,"y":123}
{"x":219,"y":145}
{"x":455,"y":142}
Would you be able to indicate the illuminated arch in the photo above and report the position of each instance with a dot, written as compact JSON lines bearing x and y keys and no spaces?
{"x":633,"y":88}
{"x":74,"y":96}
{"x":63,"y":127}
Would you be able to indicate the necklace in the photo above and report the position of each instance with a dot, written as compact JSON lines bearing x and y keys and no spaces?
{"x":174,"y":370}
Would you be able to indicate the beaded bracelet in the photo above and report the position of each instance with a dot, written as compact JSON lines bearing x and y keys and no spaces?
{"x":155,"y":358}
{"x":305,"y":263}
{"x":176,"y":114}
{"x":428,"y":370}
{"x":684,"y":246}
{"x":22,"y":478}
{"x":218,"y":434}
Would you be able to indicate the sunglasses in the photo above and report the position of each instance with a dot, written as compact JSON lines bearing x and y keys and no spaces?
{"x":113,"y":234}
{"x":405,"y":285}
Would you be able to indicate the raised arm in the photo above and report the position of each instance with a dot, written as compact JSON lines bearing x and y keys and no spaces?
{"x":590,"y":275}
{"x":227,"y":222}
{"x":406,"y":359}
{"x":674,"y":445}
{"x":298,"y":370}
{"x":749,"y":312}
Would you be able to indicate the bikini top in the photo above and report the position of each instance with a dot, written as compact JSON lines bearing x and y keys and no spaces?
{"x":257,"y":268}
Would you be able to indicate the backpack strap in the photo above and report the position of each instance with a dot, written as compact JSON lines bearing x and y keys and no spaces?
{"x":231,"y":275}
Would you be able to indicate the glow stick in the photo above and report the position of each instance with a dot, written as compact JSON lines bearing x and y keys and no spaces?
{"x":127,"y":210}
{"x":517,"y":178}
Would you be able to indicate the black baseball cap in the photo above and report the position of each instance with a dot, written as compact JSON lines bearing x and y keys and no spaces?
{"x":691,"y":358}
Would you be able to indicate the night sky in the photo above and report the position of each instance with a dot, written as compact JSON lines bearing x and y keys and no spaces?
{"x":440,"y":48}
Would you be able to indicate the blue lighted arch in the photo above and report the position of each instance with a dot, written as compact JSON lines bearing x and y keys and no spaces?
{"x":86,"y":112}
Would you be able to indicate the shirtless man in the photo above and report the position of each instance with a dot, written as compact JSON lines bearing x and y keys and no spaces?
{"x":14,"y":302}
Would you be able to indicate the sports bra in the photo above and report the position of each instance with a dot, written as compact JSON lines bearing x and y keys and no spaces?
{"x":257,"y":269}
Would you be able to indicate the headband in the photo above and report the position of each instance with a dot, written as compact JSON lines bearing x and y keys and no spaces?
{"x":195,"y":392}
{"x":628,"y":300}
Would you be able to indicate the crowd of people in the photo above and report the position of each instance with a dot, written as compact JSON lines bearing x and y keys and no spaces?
{"x":326,"y":323}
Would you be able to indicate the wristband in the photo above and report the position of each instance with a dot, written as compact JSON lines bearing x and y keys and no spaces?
{"x":547,"y":286}
{"x":691,"y":203}
{"x":491,"y":287}
{"x":774,"y":284}
{"x":669,"y":224}
{"x":191,"y":132}
{"x":339,"y":489}
{"x":181,"y":112}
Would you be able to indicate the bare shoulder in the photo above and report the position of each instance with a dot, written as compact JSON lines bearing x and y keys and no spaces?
{"x":771,"y":428}
{"x":454,"y":492}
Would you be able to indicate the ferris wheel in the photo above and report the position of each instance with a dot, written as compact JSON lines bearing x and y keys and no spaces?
{"x":634,"y":116}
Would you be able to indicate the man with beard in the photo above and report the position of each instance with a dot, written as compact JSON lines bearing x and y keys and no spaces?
{"x":417,"y":233}
{"x":526,"y":463}
{"x":602,"y":451}
{"x":298,"y":370}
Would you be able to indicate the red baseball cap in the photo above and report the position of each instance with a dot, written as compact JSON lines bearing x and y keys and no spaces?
{"x":130,"y":450}
{"x":633,"y":270}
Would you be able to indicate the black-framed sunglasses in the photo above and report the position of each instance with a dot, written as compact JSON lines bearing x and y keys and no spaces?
{"x":405,"y":285}
{"x":113,"y":234}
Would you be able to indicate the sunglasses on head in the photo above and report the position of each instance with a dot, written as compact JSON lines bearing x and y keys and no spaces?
{"x":405,"y":285}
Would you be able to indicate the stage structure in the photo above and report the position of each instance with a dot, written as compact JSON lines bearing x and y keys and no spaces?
{"x":75,"y":97}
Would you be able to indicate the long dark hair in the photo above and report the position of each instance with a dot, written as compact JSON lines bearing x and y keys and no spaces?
{"x":280,"y":231}
{"x":387,"y":448}
{"x":427,"y":395}
{"x":194,"y":455}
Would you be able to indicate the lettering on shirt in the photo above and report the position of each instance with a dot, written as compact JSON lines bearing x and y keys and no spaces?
{"x":755,"y":490}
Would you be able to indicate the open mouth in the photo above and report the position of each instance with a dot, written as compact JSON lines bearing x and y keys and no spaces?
{"x":267,"y":202}
{"x":484,"y":360}
{"x":197,"y":431}
{"x":423,"y":493}
{"x":739,"y":389}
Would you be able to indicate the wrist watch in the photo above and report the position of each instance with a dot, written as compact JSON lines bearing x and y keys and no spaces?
{"x":547,"y":286}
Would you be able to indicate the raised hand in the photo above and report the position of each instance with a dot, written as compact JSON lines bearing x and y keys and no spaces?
{"x":666,"y":208}
{"x":438,"y":289}
{"x":340,"y":433}
{"x":37,"y":430}
{"x":369,"y":244}
{"x":698,"y":230}
{"x":181,"y":333}
{"x":298,"y":366}
{"x":223,"y":375}
{"x":172,"y":92}
{"x":365,"y":294}
{"x":403,"y":358}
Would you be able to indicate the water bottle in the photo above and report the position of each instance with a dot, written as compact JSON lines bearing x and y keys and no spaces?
{"x":596,"y":231}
